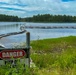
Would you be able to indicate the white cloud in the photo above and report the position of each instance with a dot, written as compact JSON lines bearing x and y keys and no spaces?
{"x":12,"y":12}
{"x":31,"y":7}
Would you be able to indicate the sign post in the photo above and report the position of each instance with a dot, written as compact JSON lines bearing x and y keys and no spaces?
{"x":28,"y":47}
{"x":8,"y":54}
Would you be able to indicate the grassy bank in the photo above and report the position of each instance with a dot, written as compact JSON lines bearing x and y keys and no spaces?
{"x":55,"y":56}
{"x":54,"y":45}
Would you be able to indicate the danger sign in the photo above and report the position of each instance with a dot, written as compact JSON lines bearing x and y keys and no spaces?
{"x":7,"y":54}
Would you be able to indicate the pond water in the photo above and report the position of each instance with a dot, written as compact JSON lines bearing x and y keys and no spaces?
{"x":7,"y":27}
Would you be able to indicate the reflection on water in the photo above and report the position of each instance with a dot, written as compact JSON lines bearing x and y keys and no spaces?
{"x":7,"y":27}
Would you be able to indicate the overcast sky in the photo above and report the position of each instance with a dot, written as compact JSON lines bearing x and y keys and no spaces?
{"x":25,"y":8}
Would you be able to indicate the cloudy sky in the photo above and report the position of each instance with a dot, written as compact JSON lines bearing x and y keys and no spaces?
{"x":26,"y":8}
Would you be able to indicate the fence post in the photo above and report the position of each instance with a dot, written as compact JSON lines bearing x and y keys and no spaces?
{"x":28,"y":47}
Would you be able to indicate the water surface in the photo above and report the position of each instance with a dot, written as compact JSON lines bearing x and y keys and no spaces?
{"x":7,"y":27}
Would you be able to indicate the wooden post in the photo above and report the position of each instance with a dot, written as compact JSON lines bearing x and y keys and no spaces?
{"x":28,"y":46}
{"x":28,"y":39}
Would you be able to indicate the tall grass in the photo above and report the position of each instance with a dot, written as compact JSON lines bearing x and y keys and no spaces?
{"x":18,"y":69}
{"x":55,"y":56}
{"x":51,"y":56}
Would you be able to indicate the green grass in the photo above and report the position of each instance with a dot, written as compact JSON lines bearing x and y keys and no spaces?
{"x":19,"y":69}
{"x":56,"y":44}
{"x":55,"y":56}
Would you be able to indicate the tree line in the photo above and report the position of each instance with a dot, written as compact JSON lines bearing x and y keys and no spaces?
{"x":7,"y":18}
{"x":51,"y":18}
{"x":39,"y":18}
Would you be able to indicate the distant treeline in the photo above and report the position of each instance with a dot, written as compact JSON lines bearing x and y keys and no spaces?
{"x":51,"y":18}
{"x":7,"y":18}
{"x":39,"y":18}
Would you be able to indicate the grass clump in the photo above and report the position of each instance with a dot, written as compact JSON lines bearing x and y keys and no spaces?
{"x":18,"y":69}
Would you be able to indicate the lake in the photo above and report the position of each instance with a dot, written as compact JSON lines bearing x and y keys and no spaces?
{"x":7,"y":27}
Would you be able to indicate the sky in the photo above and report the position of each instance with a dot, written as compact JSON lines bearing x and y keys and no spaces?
{"x":28,"y":8}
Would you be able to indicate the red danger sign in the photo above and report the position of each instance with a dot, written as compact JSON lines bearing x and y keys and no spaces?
{"x":7,"y":54}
